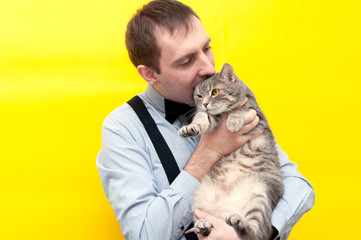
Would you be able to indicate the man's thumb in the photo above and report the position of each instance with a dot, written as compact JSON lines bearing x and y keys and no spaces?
{"x":199,"y":213}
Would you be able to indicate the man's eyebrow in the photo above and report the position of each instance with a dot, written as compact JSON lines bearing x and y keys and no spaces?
{"x":208,"y":42}
{"x":189,"y":55}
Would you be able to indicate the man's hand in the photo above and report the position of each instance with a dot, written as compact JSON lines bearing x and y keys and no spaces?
{"x":220,"y":142}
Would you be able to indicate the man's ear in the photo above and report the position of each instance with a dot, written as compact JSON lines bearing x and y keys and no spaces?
{"x":148,"y":74}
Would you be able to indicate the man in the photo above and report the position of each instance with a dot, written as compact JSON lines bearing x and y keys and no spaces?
{"x":171,"y":51}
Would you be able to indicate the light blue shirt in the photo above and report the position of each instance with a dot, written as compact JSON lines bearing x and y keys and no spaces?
{"x":136,"y":185}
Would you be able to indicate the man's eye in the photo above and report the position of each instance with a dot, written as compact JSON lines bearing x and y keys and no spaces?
{"x":207,"y":48}
{"x":186,"y":63}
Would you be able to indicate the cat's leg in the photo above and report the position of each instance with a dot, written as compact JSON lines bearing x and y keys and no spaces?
{"x":199,"y":125}
{"x":235,"y":120}
{"x":240,"y":225}
{"x":254,"y":223}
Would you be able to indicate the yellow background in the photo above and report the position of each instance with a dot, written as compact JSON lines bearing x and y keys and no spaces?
{"x":64,"y":67}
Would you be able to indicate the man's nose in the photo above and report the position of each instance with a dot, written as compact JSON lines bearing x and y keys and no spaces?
{"x":207,"y":67}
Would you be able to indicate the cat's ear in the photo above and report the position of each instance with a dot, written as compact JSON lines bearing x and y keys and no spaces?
{"x":148,"y":74}
{"x":227,"y":72}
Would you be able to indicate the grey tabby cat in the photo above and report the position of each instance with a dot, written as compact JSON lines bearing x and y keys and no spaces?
{"x":243,"y":187}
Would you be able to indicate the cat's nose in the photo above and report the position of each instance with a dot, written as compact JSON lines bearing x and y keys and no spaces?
{"x":205,"y":105}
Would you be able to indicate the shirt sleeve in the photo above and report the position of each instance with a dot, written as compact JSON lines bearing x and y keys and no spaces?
{"x":297,"y":199}
{"x":144,"y":208}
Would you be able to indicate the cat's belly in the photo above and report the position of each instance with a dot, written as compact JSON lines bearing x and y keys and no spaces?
{"x":222,"y":198}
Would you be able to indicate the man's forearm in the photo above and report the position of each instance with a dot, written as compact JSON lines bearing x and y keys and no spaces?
{"x":201,"y":162}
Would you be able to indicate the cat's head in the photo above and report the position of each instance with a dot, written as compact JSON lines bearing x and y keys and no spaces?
{"x":221,"y":92}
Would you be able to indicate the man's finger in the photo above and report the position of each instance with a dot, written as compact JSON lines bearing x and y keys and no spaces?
{"x":199,"y":213}
{"x":250,"y":116}
{"x":203,"y":215}
{"x":249,"y":126}
{"x":253,"y":136}
{"x":245,"y":100}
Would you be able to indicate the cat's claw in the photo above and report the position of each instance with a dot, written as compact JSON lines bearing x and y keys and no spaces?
{"x":189,"y":231}
{"x":187,"y":131}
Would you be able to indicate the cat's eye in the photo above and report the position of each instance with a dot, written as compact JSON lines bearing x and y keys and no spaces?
{"x":215,"y":92}
{"x":199,"y":96}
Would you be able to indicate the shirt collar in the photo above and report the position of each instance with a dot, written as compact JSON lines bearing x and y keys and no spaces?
{"x":175,"y":110}
{"x":155,"y":98}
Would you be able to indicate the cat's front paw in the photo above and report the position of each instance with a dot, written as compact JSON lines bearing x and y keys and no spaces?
{"x":234,"y":122}
{"x":202,"y":227}
{"x":188,"y":131}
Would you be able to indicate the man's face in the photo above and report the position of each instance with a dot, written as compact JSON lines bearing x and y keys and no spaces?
{"x":185,"y":61}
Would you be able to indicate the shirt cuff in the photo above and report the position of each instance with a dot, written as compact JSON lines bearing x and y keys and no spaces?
{"x":185,"y":184}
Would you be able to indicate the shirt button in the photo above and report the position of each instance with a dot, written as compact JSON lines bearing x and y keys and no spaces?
{"x":182,"y":227}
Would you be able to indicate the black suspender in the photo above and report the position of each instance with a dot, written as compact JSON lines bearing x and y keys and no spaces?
{"x":165,"y":155}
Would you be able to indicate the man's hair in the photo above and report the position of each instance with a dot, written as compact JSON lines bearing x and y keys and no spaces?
{"x":140,"y":35}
